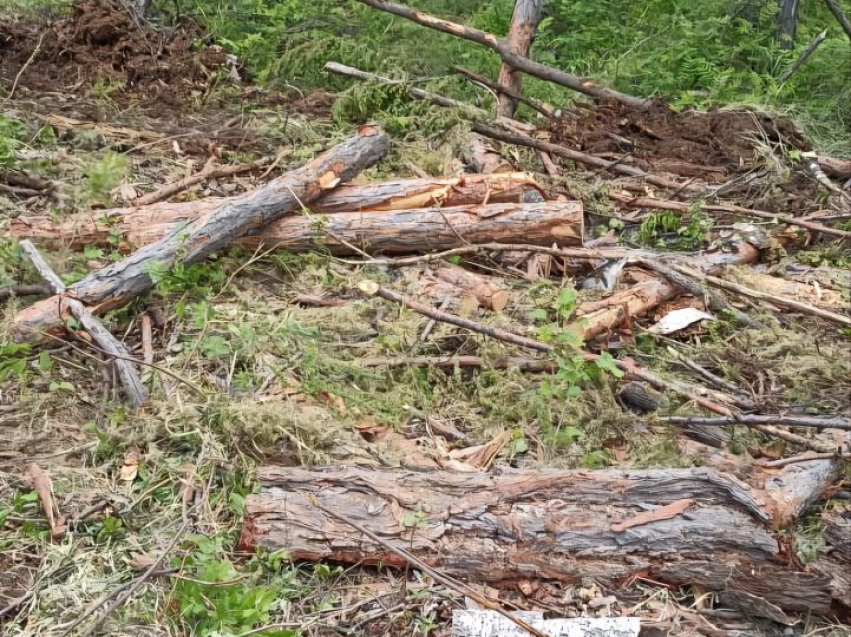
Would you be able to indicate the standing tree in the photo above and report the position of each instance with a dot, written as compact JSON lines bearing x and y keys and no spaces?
{"x":787,"y":27}
{"x":524,"y":23}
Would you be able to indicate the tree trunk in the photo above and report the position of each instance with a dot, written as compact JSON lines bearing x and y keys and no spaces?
{"x":121,"y":282}
{"x":678,"y":526}
{"x":524,"y":23}
{"x":140,"y":226}
{"x":787,"y":28}
{"x":392,"y":232}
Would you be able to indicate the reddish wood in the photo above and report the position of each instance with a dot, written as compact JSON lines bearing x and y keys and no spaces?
{"x":139,"y":226}
{"x":121,"y":282}
{"x":561,"y":525}
{"x":524,"y":23}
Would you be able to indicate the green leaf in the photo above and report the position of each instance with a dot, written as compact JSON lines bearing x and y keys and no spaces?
{"x":539,"y":314}
{"x":607,"y":364}
{"x":45,"y":362}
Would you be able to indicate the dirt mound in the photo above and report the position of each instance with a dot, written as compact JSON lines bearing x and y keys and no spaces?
{"x":711,"y":145}
{"x":103,"y":42}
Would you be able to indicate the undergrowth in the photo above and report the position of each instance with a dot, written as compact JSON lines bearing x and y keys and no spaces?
{"x":694,"y":55}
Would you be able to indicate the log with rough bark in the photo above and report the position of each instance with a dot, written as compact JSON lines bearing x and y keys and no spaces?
{"x":404,"y":231}
{"x":524,"y":22}
{"x":678,"y":526}
{"x":140,"y":226}
{"x":515,"y":61}
{"x":480,"y":157}
{"x":119,"y":283}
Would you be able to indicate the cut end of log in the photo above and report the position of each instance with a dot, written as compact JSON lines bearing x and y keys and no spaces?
{"x":370,"y":288}
{"x":329,"y":180}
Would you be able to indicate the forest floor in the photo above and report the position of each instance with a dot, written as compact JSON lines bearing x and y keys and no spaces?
{"x":101,"y":109}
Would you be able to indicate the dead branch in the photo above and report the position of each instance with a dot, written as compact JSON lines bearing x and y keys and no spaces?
{"x":370,"y":288}
{"x":840,"y":16}
{"x":805,"y":55}
{"x":791,"y":304}
{"x":24,"y":289}
{"x":544,"y":109}
{"x":524,"y":22}
{"x":517,"y":62}
{"x":752,"y":420}
{"x":662,"y":204}
{"x":211,"y":170}
{"x":810,"y":160}
{"x":807,"y":456}
{"x":133,"y":387}
{"x":121,"y":282}
{"x":838,"y":168}
{"x":575,"y":155}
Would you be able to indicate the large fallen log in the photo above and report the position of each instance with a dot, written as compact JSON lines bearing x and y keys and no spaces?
{"x":393,"y":232}
{"x":678,"y":526}
{"x":142,"y":225}
{"x":119,"y":283}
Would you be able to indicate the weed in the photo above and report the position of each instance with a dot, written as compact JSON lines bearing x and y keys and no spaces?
{"x":104,"y":175}
{"x":12,"y":135}
{"x":671,"y":230}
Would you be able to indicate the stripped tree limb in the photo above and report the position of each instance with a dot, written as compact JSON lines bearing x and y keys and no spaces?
{"x":663,"y":204}
{"x":838,"y":168}
{"x":787,"y":303}
{"x":371,"y":288}
{"x":805,"y":55}
{"x":135,"y":390}
{"x":752,"y":420}
{"x":575,"y":155}
{"x":811,"y":162}
{"x":211,"y":170}
{"x":501,"y":47}
{"x":840,"y":16}
{"x":544,"y":109}
{"x":524,"y":22}
{"x":24,"y":289}
{"x":121,"y":282}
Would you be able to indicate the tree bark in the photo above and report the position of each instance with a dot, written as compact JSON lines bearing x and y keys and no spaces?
{"x":393,"y":232}
{"x":140,"y":226}
{"x":517,"y":62}
{"x":787,"y":27}
{"x":524,"y":23}
{"x":678,"y":526}
{"x":837,"y":168}
{"x":481,"y":158}
{"x":121,"y":282}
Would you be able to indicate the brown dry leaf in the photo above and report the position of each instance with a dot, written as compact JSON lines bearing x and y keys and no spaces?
{"x":130,"y":468}
{"x":44,"y":487}
{"x":666,"y":512}
{"x":481,"y":456}
{"x":141,"y":560}
{"x":335,"y":402}
{"x":369,"y":429}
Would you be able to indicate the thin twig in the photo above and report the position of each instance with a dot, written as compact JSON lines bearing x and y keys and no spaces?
{"x":125,"y":591}
{"x":370,"y":288}
{"x":804,"y":457}
{"x":29,"y":61}
{"x":25,"y":289}
{"x":795,"y":439}
{"x":782,"y":301}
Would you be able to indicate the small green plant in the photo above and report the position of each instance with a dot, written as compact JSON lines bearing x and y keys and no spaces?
{"x":671,"y":230}
{"x":12,"y":134}
{"x":104,"y":175}
{"x":217,"y":599}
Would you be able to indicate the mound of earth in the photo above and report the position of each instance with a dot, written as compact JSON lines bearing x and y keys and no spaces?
{"x":102,"y":42}
{"x":720,"y":142}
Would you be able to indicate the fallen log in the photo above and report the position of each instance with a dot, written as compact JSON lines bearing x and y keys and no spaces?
{"x":140,"y":226}
{"x":512,"y":59}
{"x":524,"y":22}
{"x":404,"y":231}
{"x":677,"y":526}
{"x":119,"y":283}
{"x":838,"y":168}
